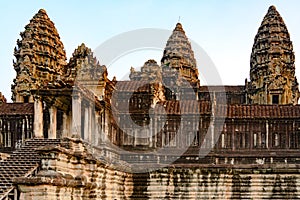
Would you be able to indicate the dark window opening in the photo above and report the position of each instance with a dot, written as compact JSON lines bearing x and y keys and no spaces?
{"x":26,"y":99}
{"x":46,"y":122}
{"x":59,"y":124}
{"x":275,"y":99}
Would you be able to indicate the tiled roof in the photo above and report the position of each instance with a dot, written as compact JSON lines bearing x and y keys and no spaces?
{"x":220,"y":88}
{"x":16,"y":108}
{"x":142,"y":86}
{"x":21,"y":162}
{"x":262,"y":111}
{"x":186,"y":107}
{"x":194,"y":107}
{"x":132,"y":86}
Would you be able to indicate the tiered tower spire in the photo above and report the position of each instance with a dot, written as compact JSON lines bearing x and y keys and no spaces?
{"x":272,"y":72}
{"x":178,"y":54}
{"x":40,"y":57}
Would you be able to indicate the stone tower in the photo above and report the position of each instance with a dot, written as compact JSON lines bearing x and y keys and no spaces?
{"x":178,"y":54}
{"x":150,"y":72}
{"x":179,"y":67}
{"x":150,"y":75}
{"x":40,"y":57}
{"x":272,"y":69}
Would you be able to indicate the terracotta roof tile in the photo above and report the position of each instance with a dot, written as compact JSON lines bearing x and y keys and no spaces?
{"x":132,"y":86}
{"x":263,"y":111}
{"x":220,"y":88}
{"x":16,"y":108}
{"x":230,"y":111}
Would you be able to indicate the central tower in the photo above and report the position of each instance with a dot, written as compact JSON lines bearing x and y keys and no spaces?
{"x":178,"y":54}
{"x":179,"y":67}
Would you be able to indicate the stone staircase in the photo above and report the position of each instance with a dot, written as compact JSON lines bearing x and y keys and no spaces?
{"x":23,"y":162}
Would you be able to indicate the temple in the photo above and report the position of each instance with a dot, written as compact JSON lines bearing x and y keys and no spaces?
{"x":72,"y":133}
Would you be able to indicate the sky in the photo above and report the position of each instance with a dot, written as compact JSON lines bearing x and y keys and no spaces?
{"x":225,"y":30}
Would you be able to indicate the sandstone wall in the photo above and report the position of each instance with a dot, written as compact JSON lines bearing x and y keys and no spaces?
{"x":70,"y":172}
{"x":214,"y":183}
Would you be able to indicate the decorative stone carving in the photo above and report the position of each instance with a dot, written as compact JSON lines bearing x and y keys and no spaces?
{"x":2,"y":99}
{"x":256,"y":155}
{"x":40,"y":56}
{"x":72,"y":171}
{"x":150,"y":72}
{"x":84,"y":69}
{"x":272,"y":73}
{"x":23,"y":84}
{"x":178,"y":54}
{"x":178,"y":71}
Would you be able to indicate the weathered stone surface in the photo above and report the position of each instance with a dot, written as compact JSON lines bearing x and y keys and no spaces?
{"x":72,"y":172}
{"x":150,"y":72}
{"x":178,"y":54}
{"x":254,"y":154}
{"x":2,"y":99}
{"x":84,"y":67}
{"x":40,"y":57}
{"x":272,"y":73}
{"x":217,"y":183}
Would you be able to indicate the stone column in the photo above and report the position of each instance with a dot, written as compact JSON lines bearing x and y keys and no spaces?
{"x":106,"y":124}
{"x":38,"y":117}
{"x":86,"y":123}
{"x":96,"y":129}
{"x":251,"y":135}
{"x":135,"y":137}
{"x":287,"y":140}
{"x":212,"y":123}
{"x":155,"y":130}
{"x":212,"y":132}
{"x":24,"y":133}
{"x":88,"y":113}
{"x":69,"y":124}
{"x":93,"y":124}
{"x":103,"y":126}
{"x":150,"y":133}
{"x":53,"y":122}
{"x":65,"y":126}
{"x":267,"y":134}
{"x":182,"y":142}
{"x":90,"y":124}
{"x":233,"y":134}
{"x":76,"y":114}
{"x":19,"y":98}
